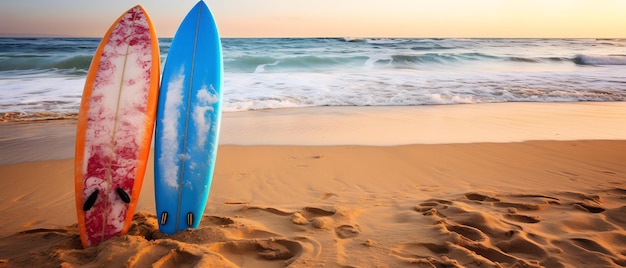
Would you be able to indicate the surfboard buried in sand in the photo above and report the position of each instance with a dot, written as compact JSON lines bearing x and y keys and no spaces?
{"x":115,"y":125}
{"x":188,"y":121}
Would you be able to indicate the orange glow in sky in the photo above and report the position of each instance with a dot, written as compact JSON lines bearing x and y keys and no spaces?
{"x":332,"y":18}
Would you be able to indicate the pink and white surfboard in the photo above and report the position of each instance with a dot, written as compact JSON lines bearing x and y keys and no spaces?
{"x":115,"y":125}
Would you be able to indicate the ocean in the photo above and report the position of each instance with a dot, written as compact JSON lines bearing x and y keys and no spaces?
{"x":42,"y":78}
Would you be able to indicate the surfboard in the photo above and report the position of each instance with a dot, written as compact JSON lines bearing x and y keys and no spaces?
{"x":115,"y":126}
{"x":188,"y":122}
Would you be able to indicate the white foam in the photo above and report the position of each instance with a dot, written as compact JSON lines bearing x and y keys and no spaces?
{"x":41,"y":94}
{"x":261,"y":68}
{"x":277,"y":73}
{"x":372,"y":60}
{"x":254,"y":91}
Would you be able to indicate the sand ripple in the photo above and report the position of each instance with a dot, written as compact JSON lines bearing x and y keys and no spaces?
{"x":565,"y":229}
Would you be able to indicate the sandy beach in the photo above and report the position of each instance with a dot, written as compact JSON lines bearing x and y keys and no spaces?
{"x":480,"y":185}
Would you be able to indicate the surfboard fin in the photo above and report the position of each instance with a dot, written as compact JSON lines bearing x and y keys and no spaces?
{"x":90,"y":200}
{"x":163,"y":218}
{"x":189,"y":219}
{"x":123,"y":195}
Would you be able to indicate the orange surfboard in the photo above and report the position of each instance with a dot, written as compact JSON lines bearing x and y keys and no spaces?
{"x":115,"y":126}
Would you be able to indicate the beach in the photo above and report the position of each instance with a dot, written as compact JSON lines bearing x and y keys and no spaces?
{"x":474,"y":185}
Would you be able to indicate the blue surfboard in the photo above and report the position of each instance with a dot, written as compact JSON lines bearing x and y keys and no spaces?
{"x":188,"y":122}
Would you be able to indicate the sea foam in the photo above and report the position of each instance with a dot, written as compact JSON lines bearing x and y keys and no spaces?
{"x":269,"y":73}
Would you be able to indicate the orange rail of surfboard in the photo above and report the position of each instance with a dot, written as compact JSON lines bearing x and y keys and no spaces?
{"x":115,"y":126}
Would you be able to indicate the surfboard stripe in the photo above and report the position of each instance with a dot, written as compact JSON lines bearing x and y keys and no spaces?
{"x":186,"y":129}
{"x":115,"y":125}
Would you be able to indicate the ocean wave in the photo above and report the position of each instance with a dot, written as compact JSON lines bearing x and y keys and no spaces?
{"x":539,"y":59}
{"x":618,"y":42}
{"x":377,"y":41}
{"x":612,"y":39}
{"x":600,"y":60}
{"x":47,"y":75}
{"x":418,"y":61}
{"x":430,"y":47}
{"x":256,"y":64}
{"x":353,"y":39}
{"x":41,"y":62}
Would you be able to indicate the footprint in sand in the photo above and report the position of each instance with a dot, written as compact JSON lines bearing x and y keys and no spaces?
{"x":314,"y":212}
{"x":468,"y":232}
{"x":520,"y":206}
{"x":322,"y":222}
{"x":297,"y":218}
{"x":507,"y":230}
{"x":319,"y":217}
{"x":268,"y":209}
{"x":347,"y":231}
{"x":430,"y":206}
{"x":168,"y":253}
{"x":480,"y":197}
{"x":528,"y":203}
{"x":164,"y":253}
{"x":586,"y":202}
{"x":216,"y":221}
{"x":424,"y":254}
{"x":249,"y":251}
{"x":588,"y":207}
{"x":522,"y":218}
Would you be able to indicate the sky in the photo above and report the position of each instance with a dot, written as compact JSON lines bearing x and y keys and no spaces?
{"x":331,"y":18}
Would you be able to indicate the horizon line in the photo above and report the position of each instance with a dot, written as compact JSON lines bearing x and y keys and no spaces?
{"x":24,"y":35}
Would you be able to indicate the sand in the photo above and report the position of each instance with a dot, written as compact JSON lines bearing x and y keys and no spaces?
{"x":519,"y":185}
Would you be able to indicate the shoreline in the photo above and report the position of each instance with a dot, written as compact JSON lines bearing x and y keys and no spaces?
{"x":363,"y":125}
{"x":428,"y":124}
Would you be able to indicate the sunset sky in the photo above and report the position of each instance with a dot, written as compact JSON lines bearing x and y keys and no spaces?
{"x":331,"y":18}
